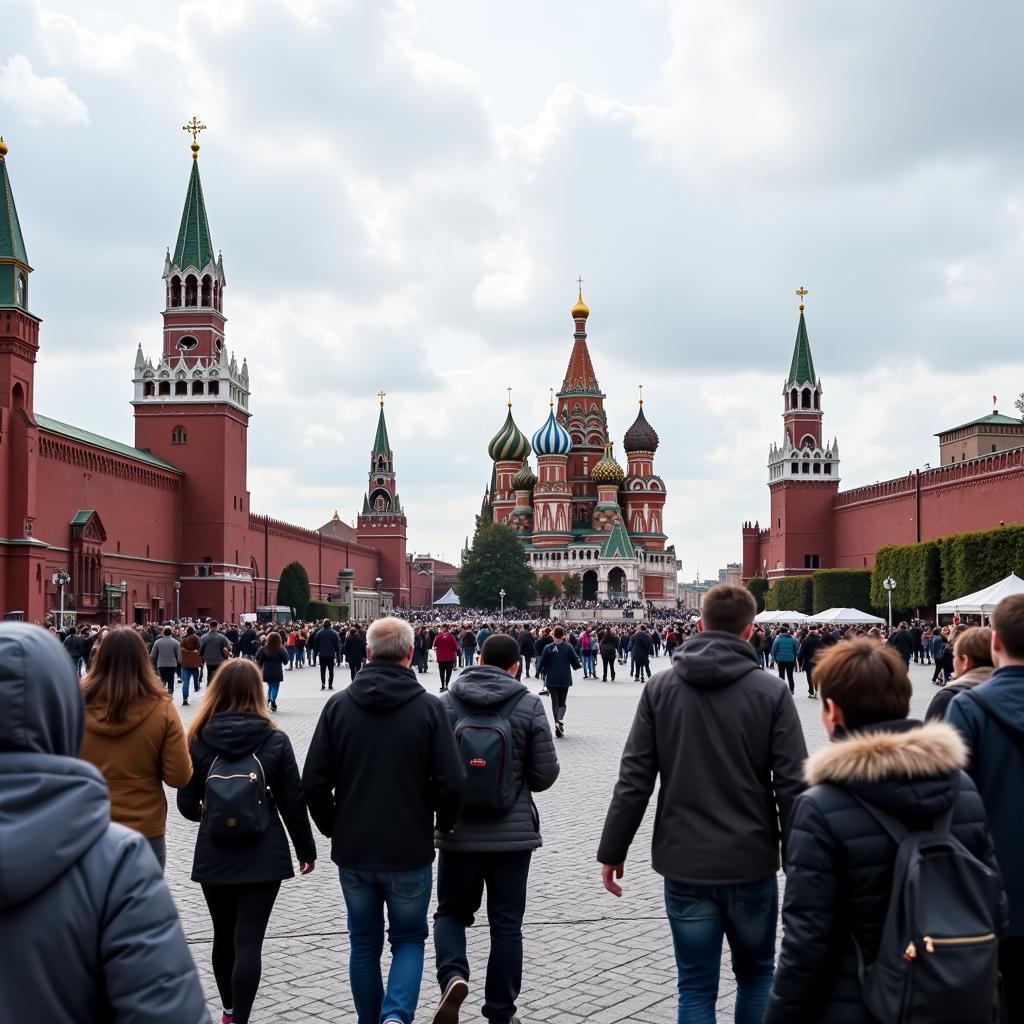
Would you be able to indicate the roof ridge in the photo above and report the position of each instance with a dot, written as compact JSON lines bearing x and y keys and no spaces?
{"x":109,"y":444}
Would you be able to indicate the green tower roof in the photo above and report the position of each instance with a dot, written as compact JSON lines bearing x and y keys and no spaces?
{"x":801,"y":370}
{"x":194,"y":248}
{"x":618,"y":544}
{"x":381,"y":444}
{"x":12,"y":244}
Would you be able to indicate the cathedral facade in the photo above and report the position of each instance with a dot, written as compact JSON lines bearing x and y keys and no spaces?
{"x":163,"y":527}
{"x":580,"y":513}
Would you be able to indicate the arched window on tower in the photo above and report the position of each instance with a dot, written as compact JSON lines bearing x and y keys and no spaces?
{"x":164,"y":388}
{"x":21,"y":291}
{"x":214,"y":388}
{"x":179,"y":436}
{"x":197,"y":387}
{"x":216,"y":295}
{"x":805,"y":398}
{"x":191,"y":290}
{"x":817,"y":400}
{"x":181,"y":387}
{"x":147,"y":389}
{"x":207,"y":295}
{"x":792,"y":399}
{"x":175,"y":290}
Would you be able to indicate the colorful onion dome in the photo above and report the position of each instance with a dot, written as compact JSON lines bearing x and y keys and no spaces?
{"x":581,"y":310}
{"x":641,"y":437}
{"x":509,"y":444}
{"x":607,"y":470}
{"x":552,"y":438}
{"x":525,"y":478}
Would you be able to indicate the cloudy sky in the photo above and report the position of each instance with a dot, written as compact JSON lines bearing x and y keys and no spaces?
{"x":405,"y":192}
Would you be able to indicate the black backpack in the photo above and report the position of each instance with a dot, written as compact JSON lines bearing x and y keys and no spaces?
{"x":484,"y":738}
{"x":937,"y":961}
{"x":236,"y":805}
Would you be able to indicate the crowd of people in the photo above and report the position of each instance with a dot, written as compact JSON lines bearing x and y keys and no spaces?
{"x":901,"y":841}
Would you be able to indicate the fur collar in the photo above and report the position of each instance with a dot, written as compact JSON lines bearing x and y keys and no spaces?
{"x":932,"y":749}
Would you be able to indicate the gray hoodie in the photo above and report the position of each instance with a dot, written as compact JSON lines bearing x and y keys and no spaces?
{"x":88,"y":929}
{"x":534,"y":763}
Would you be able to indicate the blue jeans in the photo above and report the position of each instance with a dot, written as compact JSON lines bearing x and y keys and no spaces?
{"x":588,"y":663}
{"x":407,"y":897}
{"x":272,"y":691}
{"x":189,"y":676}
{"x":699,"y":915}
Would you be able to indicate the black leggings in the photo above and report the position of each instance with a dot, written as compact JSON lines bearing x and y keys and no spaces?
{"x":786,"y":672}
{"x":354,"y":666}
{"x":445,"y":670}
{"x":608,"y":662}
{"x":240,"y":914}
{"x":559,"y":696}
{"x":326,"y":669}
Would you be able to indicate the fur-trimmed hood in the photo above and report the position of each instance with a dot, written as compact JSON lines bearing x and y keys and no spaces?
{"x":904,"y":766}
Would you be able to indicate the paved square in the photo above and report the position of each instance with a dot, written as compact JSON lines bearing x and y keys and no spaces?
{"x":589,"y":957}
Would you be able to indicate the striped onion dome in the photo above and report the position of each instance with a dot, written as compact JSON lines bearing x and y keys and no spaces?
{"x":509,"y":444}
{"x":525,"y":478}
{"x":607,"y":470}
{"x":552,"y":438}
{"x":641,"y":436}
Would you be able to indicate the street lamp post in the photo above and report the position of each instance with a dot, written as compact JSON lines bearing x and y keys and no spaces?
{"x":380,"y":608}
{"x":177,"y":600}
{"x":61,"y":579}
{"x":890,"y":585}
{"x":501,"y":594}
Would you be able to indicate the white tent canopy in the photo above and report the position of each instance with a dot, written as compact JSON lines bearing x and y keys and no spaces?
{"x":983,"y":601}
{"x":846,"y":617}
{"x":450,"y":598}
{"x":780,"y":617}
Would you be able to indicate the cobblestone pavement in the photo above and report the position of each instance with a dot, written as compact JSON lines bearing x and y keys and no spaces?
{"x":589,"y":957}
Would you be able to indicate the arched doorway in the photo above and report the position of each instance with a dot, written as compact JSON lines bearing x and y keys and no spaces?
{"x":617,"y":584}
{"x":589,"y":592}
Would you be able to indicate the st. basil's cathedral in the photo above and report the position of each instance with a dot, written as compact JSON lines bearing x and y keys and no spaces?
{"x":581,"y":513}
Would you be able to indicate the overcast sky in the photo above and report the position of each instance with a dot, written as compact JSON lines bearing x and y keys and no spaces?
{"x":405,"y":192}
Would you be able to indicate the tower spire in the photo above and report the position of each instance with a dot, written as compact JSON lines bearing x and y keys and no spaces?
{"x":14,"y":266}
{"x":381,"y":444}
{"x":194,"y":247}
{"x":801,"y":369}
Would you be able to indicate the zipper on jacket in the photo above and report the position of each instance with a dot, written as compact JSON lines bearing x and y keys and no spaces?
{"x":959,"y":940}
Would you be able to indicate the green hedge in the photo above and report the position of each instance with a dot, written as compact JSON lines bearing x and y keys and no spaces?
{"x":971,"y":561}
{"x":758,"y":586}
{"x":916,"y":569}
{"x":792,"y":593}
{"x":841,"y":588}
{"x":327,"y":610}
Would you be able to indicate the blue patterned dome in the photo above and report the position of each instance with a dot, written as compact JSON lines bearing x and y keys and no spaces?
{"x":552,"y":438}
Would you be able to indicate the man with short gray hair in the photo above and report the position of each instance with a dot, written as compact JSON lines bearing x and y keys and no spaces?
{"x":382,"y":771}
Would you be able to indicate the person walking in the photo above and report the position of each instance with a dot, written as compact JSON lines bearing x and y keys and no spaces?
{"x":990,"y":718}
{"x":840,"y":855}
{"x":384,"y":742}
{"x":272,"y":658}
{"x":493,"y":839}
{"x":527,"y":649}
{"x":232,"y":737}
{"x":972,"y":664}
{"x":446,"y":646}
{"x":355,"y":650}
{"x":586,"y":652}
{"x":191,"y":663}
{"x":88,"y":929}
{"x":902,"y":642}
{"x":784,"y":652}
{"x":248,"y":642}
{"x":725,"y":739}
{"x":642,"y":650}
{"x":810,"y":647}
{"x":327,"y":645}
{"x":133,"y":736}
{"x":468,"y":652}
{"x":215,"y":649}
{"x":166,"y":655}
{"x":608,"y":645}
{"x":939,"y":646}
{"x":557,"y":664}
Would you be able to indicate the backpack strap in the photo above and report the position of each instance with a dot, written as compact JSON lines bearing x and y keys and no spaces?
{"x":1012,"y":734}
{"x":504,"y":709}
{"x":892,"y":825}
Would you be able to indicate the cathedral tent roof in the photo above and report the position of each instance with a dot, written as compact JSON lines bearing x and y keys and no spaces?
{"x":618,"y":544}
{"x":12,"y":244}
{"x":194,"y":247}
{"x":381,"y":444}
{"x":801,"y":370}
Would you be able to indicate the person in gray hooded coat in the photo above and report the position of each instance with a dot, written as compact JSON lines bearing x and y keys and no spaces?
{"x":494,"y":848}
{"x":88,"y":929}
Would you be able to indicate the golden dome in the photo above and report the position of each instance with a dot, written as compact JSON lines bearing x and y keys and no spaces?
{"x":607,"y":470}
{"x":3,"y":148}
{"x":581,"y":310}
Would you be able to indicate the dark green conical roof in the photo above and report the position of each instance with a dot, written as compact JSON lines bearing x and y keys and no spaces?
{"x":194,"y":248}
{"x":381,"y":444}
{"x":801,"y":370}
{"x":12,"y":244}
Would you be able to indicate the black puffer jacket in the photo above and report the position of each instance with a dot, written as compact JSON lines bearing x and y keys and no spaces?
{"x":268,"y":858}
{"x":88,"y":929}
{"x":534,"y":763}
{"x":839,"y":861}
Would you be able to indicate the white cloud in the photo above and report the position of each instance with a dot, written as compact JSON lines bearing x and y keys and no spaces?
{"x":39,"y":99}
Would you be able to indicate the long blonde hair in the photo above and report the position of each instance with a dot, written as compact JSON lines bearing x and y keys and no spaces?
{"x":121,"y":675}
{"x":237,"y":686}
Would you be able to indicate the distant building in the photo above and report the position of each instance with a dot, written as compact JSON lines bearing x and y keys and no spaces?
{"x":992,"y":433}
{"x":732,"y":573}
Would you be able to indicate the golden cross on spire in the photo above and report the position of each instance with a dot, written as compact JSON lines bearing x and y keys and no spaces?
{"x":801,"y":292}
{"x":551,"y":400}
{"x":641,"y":395}
{"x":382,"y":395}
{"x":579,"y":281}
{"x":509,"y":390}
{"x":195,"y":126}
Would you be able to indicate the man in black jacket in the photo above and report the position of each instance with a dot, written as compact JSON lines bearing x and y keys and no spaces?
{"x":725,"y":738}
{"x":327,"y":644}
{"x":381,"y":771}
{"x":492,"y":849}
{"x":810,"y":647}
{"x":642,"y":649}
{"x":903,"y":642}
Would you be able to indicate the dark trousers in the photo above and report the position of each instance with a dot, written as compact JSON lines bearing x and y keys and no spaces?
{"x":354,"y":666}
{"x":445,"y":669}
{"x":326,"y":670}
{"x":642,"y":666}
{"x":786,"y":672}
{"x":608,"y":664}
{"x":240,"y":914}
{"x":809,"y":669}
{"x":1011,"y":966}
{"x":167,"y":678}
{"x":461,"y":878}
{"x":559,"y":695}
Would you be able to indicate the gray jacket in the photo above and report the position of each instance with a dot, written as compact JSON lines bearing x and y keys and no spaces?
{"x":165,"y":652}
{"x":88,"y":929}
{"x":534,"y":764}
{"x":725,"y":738}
